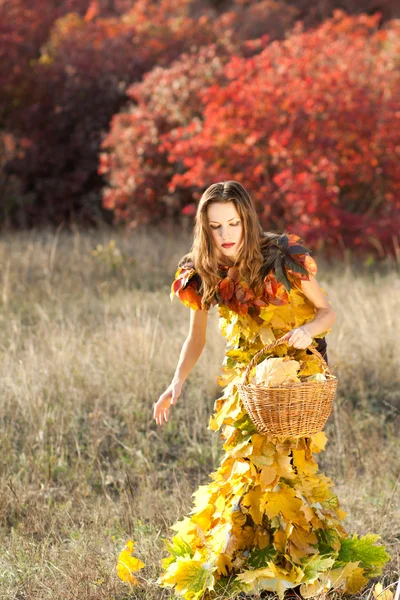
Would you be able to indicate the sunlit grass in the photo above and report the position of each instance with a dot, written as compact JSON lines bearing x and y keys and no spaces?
{"x":89,"y":341}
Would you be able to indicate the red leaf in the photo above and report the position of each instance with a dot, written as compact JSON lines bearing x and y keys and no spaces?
{"x":226,"y":288}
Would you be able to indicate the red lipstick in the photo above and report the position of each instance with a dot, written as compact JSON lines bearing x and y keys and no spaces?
{"x":228,"y":245}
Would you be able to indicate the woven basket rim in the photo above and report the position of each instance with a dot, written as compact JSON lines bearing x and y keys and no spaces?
{"x":296,"y":384}
{"x":273,"y":345}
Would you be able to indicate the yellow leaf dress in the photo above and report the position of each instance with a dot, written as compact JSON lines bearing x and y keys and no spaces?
{"x":268,"y":519}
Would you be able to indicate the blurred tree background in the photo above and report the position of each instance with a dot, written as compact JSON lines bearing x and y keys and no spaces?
{"x":126,"y":111}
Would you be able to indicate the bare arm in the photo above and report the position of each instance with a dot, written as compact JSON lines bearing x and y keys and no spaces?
{"x":325,"y":316}
{"x":190,"y":353}
{"x":192,"y":346}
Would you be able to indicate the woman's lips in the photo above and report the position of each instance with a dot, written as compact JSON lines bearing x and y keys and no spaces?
{"x":228,"y":245}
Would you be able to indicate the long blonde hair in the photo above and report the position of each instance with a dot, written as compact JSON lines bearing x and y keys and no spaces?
{"x":255,"y":240}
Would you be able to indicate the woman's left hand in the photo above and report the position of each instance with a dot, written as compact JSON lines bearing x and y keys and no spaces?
{"x":299,"y":338}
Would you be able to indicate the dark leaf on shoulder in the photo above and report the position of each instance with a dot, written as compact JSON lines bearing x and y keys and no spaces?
{"x":295,"y":266}
{"x":297,"y":249}
{"x":283,"y":241}
{"x":268,"y":264}
{"x":281,"y":274}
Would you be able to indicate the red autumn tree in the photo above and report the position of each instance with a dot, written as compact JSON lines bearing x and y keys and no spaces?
{"x":75,"y":84}
{"x":64,"y":71}
{"x":134,"y":162}
{"x":312,"y":127}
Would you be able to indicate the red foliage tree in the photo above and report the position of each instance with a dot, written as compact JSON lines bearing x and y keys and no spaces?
{"x":76,"y":85}
{"x":312,"y":127}
{"x":135,"y":163}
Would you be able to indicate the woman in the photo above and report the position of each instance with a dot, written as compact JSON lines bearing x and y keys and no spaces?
{"x":268,"y":520}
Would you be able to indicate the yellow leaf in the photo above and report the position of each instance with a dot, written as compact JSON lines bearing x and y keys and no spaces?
{"x":238,"y":518}
{"x":338,"y":577}
{"x":217,"y":542}
{"x":224,"y":564}
{"x":295,"y":575}
{"x":202,"y":497}
{"x":308,"y":512}
{"x":189,"y":575}
{"x":316,"y":489}
{"x":128,"y":564}
{"x":303,"y":466}
{"x":283,"y":318}
{"x":230,"y":408}
{"x":219,"y":505}
{"x":239,"y":538}
{"x":341,"y":513}
{"x":262,"y":538}
{"x":250,"y":576}
{"x":268,"y":476}
{"x":204,"y":518}
{"x":304,"y":539}
{"x":318,"y":441}
{"x":356,"y":581}
{"x":283,"y":501}
{"x":285,"y":467}
{"x":276,"y":371}
{"x":262,"y":461}
{"x":295,"y":554}
{"x":313,"y":590}
{"x":280,"y":541}
{"x":299,"y":544}
{"x":261,"y":445}
{"x":382,"y":594}
{"x":310,"y":365}
{"x":267,"y":335}
{"x":252,"y":501}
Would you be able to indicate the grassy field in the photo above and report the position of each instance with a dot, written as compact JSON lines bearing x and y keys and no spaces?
{"x":88,"y":343}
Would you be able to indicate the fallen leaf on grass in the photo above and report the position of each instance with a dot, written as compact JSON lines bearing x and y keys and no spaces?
{"x":128,"y":564}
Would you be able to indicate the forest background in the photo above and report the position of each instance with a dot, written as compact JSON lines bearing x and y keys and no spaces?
{"x":114,"y":117}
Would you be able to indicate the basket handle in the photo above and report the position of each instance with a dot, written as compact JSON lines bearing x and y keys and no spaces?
{"x":270,"y":347}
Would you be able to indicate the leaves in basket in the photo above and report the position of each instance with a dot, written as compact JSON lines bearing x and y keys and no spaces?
{"x":276,"y":371}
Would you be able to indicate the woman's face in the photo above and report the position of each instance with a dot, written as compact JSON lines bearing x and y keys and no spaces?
{"x":226,"y":228}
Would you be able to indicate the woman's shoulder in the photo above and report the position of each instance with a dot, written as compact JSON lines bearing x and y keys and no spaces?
{"x":286,"y":256}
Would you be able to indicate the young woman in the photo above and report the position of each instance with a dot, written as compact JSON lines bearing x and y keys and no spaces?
{"x":268,"y":520}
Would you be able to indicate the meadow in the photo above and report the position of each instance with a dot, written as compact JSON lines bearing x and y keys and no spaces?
{"x":89,"y":340}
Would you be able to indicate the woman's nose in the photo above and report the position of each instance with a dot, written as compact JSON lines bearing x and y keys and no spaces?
{"x":225,"y":234}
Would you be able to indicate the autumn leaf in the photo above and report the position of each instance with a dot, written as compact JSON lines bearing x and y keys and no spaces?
{"x":224,"y":564}
{"x":252,"y":501}
{"x":190,"y":575}
{"x":244,"y":293}
{"x":182,"y":277}
{"x":318,"y":441}
{"x":284,"y":502}
{"x":276,"y":371}
{"x":128,"y":564}
{"x":304,"y":466}
{"x":226,"y":289}
{"x":371,"y":557}
{"x":381,"y":593}
{"x":267,"y":335}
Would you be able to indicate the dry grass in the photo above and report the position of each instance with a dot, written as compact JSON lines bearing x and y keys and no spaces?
{"x":88,"y":344}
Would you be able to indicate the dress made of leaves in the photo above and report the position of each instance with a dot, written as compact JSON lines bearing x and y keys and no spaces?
{"x":268,"y":519}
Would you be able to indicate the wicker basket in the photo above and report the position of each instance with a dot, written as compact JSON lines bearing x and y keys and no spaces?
{"x":293,"y":410}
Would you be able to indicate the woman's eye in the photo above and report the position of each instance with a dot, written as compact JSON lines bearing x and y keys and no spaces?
{"x":231,"y":224}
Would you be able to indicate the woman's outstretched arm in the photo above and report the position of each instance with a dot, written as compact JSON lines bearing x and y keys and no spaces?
{"x":190,"y":353}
